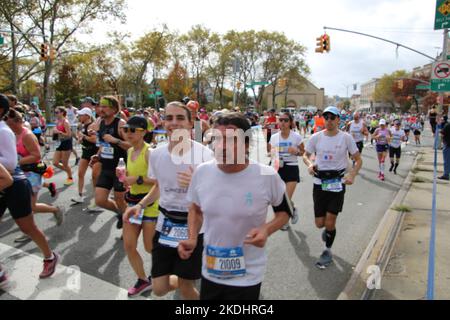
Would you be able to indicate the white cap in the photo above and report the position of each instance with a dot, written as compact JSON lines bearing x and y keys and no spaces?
{"x":382,"y":122}
{"x":85,"y":112}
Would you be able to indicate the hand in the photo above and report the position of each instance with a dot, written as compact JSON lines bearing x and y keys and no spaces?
{"x":94,"y":159}
{"x":349,"y":179}
{"x":131,"y":211}
{"x":92,"y":132}
{"x":257,"y":237}
{"x":293,"y":151}
{"x":184,"y":178}
{"x":312,"y":170}
{"x":109,"y":139}
{"x":186,"y":247}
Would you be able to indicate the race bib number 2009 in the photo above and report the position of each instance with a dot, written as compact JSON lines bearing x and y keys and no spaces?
{"x":225,"y":263}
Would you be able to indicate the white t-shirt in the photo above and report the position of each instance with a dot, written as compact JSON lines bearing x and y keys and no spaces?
{"x":356,"y":130}
{"x":164,"y":167}
{"x":232,"y":205}
{"x":282,"y":145}
{"x":72,"y":116}
{"x":331,"y":152}
{"x":8,"y":151}
{"x":397,"y":136}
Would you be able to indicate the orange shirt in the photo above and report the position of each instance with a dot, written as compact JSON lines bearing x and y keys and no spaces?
{"x":319,"y":124}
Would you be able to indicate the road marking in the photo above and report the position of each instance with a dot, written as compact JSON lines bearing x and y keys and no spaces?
{"x":68,"y":282}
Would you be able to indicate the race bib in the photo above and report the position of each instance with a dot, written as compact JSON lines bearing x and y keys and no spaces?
{"x":225,"y":263}
{"x":107,"y":151}
{"x":332,"y":185}
{"x":173,"y":233}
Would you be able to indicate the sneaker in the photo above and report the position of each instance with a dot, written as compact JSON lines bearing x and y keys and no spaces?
{"x":141,"y":286}
{"x":49,"y":267}
{"x":382,"y":177}
{"x":52,"y":189}
{"x":326,"y":258}
{"x":59,"y":216}
{"x":77,"y":199}
{"x":119,"y":224}
{"x":68,"y":182}
{"x":94,"y":208}
{"x":295,"y":216}
{"x":447,"y":178}
{"x":22,"y":238}
{"x":285,"y":227}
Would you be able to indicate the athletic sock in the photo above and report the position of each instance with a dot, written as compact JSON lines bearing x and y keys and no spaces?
{"x":330,"y":235}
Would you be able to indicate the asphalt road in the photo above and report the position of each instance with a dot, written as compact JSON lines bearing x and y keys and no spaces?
{"x":92,"y":243}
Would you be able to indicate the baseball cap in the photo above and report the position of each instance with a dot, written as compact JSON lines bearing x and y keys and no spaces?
{"x":137,"y":122}
{"x":332,"y":110}
{"x":382,"y":122}
{"x":85,"y":112}
{"x":90,"y":100}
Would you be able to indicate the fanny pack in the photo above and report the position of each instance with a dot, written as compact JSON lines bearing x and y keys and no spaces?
{"x":38,"y":168}
{"x":329,"y":174}
{"x":174,"y":216}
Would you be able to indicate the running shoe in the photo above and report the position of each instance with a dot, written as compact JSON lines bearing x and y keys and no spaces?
{"x":285,"y":227}
{"x":49,"y":267}
{"x":59,"y":216}
{"x":94,"y":208}
{"x":326,"y":258}
{"x":68,"y":182}
{"x":52,"y":189}
{"x":141,"y":286}
{"x":382,"y":177}
{"x":22,"y":238}
{"x":77,"y":199}
{"x":295,"y":216}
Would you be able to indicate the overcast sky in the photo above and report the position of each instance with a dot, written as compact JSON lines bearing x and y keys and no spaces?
{"x":352,"y":59}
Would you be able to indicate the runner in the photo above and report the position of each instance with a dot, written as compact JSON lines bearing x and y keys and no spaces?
{"x":112,"y":149}
{"x":72,"y":117}
{"x":395,"y":147}
{"x":319,"y":122}
{"x":417,"y":130}
{"x":234,"y":217}
{"x":63,"y":135}
{"x":432,"y":116}
{"x":406,"y":128}
{"x":331,"y":148}
{"x":270,"y":125}
{"x":140,"y":185}
{"x":358,"y":131}
{"x":171,"y":166}
{"x":286,"y":146}
{"x":382,"y":137}
{"x":89,"y":149}
{"x":21,"y":211}
{"x":373,"y":127}
{"x":29,"y":157}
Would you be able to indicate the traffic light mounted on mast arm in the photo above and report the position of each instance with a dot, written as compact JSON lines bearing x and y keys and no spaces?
{"x":323,"y":43}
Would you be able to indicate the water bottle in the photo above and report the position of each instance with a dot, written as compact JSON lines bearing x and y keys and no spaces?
{"x":122,"y":170}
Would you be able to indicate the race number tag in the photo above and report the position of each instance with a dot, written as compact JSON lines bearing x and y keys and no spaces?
{"x":107,"y":151}
{"x":332,"y":185}
{"x":225,"y":263}
{"x":173,"y":233}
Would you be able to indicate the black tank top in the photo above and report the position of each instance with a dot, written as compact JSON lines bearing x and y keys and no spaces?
{"x":86,"y":145}
{"x":433,"y":116}
{"x":110,"y":153}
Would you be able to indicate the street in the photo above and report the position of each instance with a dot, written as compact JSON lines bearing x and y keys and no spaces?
{"x":91,"y":242}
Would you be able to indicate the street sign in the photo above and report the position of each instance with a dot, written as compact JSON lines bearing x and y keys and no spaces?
{"x":440,"y":77}
{"x":423,"y":87}
{"x":260,"y":83}
{"x":442,"y":19}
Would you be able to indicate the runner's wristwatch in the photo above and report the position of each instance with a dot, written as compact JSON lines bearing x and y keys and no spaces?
{"x":140,"y":180}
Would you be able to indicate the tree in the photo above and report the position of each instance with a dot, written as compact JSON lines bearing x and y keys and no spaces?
{"x":67,"y":84}
{"x":385,"y":89}
{"x":177,"y":85}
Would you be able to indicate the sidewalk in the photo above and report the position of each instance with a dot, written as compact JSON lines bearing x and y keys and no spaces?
{"x":405,"y":277}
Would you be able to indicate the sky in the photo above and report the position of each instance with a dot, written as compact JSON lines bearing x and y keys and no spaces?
{"x":352,"y":60}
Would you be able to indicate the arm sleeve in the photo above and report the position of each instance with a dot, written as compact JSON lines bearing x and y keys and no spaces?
{"x":8,"y":152}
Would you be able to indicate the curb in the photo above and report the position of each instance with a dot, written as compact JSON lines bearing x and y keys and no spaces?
{"x":380,"y":246}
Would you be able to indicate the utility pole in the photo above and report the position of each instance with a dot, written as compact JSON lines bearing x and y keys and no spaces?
{"x":236,"y":68}
{"x":443,"y":58}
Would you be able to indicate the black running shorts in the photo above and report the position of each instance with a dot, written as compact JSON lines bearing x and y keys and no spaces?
{"x":18,"y":209}
{"x":166,"y":261}
{"x":108,"y":180}
{"x":86,"y":154}
{"x":325,"y":201}
{"x":214,"y":291}
{"x":397,"y":152}
{"x":66,"y":145}
{"x":289,"y":173}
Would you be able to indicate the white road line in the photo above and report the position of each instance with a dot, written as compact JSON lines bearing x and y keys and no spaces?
{"x":67,"y":283}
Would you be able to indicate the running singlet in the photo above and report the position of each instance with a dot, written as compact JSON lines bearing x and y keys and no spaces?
{"x":397,"y":136}
{"x":356,"y":131}
{"x":72,"y":116}
{"x":282,"y":146}
{"x":86,"y":145}
{"x":110,"y":154}
{"x":383,"y":136}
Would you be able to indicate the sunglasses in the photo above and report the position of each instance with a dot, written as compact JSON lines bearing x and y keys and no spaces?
{"x":132,"y":130}
{"x":329,"y":116}
{"x":178,"y":117}
{"x":285,"y":120}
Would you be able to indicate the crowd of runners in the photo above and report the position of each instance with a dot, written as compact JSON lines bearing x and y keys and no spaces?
{"x":198,"y":199}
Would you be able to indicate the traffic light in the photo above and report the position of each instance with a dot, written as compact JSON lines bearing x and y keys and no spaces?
{"x":52,"y":53}
{"x":326,"y":42}
{"x":282,"y":82}
{"x":44,"y":52}
{"x":319,"y":44}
